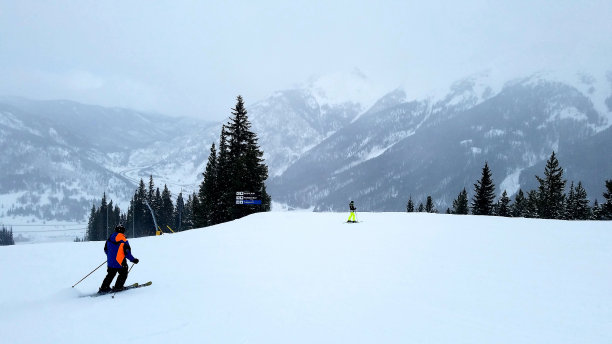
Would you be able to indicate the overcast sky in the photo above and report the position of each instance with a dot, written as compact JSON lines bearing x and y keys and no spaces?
{"x":191,"y":58}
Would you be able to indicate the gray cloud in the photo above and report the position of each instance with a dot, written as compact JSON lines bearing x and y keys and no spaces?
{"x":193,"y":57}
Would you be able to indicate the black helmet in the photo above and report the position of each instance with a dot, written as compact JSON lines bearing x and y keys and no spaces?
{"x":120,"y":228}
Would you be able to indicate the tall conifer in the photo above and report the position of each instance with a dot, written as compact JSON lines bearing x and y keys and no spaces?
{"x":179,"y":214}
{"x":461,"y":204}
{"x":484,"y":193}
{"x":166,"y":210}
{"x":429,"y":205}
{"x":551,"y":196}
{"x":208,"y":193}
{"x":531,"y":206}
{"x":410,"y":205}
{"x":519,"y":205}
{"x":503,"y":205}
{"x":246,"y":165}
{"x":596,"y":213}
{"x":606,"y":207}
{"x":581,"y":203}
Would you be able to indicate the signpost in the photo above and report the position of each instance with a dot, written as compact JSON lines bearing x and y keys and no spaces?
{"x":248,"y":198}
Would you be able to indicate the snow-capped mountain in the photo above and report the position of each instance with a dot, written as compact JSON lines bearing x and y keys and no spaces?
{"x":435,"y":146}
{"x":58,"y":156}
{"x":291,"y":122}
{"x":326,"y":141}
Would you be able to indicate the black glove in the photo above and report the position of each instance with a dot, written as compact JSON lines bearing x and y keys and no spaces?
{"x":135,"y":261}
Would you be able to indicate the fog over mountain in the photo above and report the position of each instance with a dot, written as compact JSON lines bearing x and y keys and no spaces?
{"x":324,"y":145}
{"x":186,"y":58}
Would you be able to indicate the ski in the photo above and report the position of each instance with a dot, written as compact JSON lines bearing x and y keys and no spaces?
{"x":131,"y":286}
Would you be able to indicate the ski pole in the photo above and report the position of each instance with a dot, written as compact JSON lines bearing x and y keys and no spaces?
{"x":89,"y":274}
{"x":131,"y":267}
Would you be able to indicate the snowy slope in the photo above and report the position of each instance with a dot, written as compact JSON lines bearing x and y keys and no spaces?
{"x":311,"y":278}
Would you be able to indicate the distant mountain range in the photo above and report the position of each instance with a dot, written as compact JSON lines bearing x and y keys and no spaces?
{"x":58,"y":156}
{"x":326,"y":142}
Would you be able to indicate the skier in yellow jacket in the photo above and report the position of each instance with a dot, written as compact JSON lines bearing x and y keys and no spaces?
{"x":352,"y":216}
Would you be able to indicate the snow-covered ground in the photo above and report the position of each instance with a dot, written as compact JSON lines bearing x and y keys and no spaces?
{"x":30,"y":230}
{"x":300,"y":277}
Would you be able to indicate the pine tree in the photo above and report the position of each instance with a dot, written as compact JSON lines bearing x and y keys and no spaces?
{"x":189,"y":212}
{"x":151,"y":190}
{"x":91,"y":224}
{"x":266,"y":199}
{"x":551,"y":196}
{"x":429,"y":205}
{"x":195,"y":208}
{"x":577,"y":203}
{"x":421,"y":207}
{"x":531,"y":206}
{"x":114,"y":216}
{"x":484,"y":193}
{"x":157,"y":204}
{"x":581,"y":204}
{"x":147,"y":223}
{"x":166,"y":210}
{"x":143,"y":223}
{"x":208,"y":193}
{"x":227,"y":197}
{"x":198,"y":214}
{"x":246,"y":165}
{"x":6,"y":236}
{"x":503,"y":205}
{"x":237,"y":167}
{"x":102,"y":220}
{"x":461,"y":204}
{"x":179,"y":214}
{"x":597,"y":213}
{"x":410,"y":205}
{"x":606,"y":207}
{"x":519,"y":207}
{"x":104,"y":225}
{"x":570,"y":204}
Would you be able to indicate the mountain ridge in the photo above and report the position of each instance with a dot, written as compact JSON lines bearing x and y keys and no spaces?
{"x":321,"y":153}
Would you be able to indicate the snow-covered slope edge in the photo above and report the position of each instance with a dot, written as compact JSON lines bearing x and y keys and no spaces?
{"x":311,"y":278}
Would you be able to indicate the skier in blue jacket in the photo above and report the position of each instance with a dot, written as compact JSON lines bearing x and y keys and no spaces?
{"x":117,"y":249}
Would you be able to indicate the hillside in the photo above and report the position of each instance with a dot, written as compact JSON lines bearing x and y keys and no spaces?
{"x":311,"y":278}
{"x":60,"y":156}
